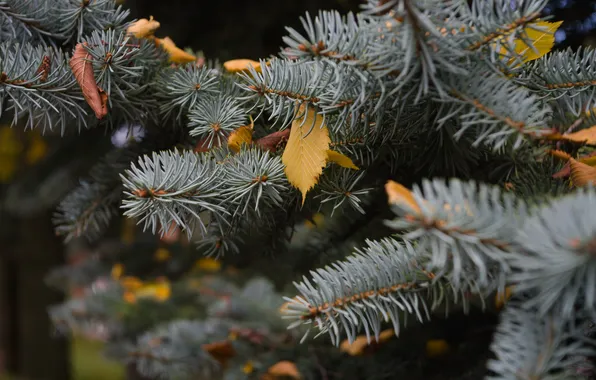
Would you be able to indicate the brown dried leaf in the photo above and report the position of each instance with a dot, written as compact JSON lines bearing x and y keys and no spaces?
{"x":272,"y":142}
{"x":83,"y":71}
{"x":582,"y":174}
{"x":221,"y":351}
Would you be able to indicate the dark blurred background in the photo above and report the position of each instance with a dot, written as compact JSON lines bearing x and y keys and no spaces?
{"x":36,"y":172}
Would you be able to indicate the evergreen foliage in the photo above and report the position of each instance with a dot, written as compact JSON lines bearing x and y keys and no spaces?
{"x":461,"y":101}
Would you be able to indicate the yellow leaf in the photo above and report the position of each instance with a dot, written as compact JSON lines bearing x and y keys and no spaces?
{"x":340,"y":159}
{"x":359,"y":344}
{"x":586,"y":136}
{"x":542,"y":40}
{"x":436,"y":347}
{"x":37,"y":149}
{"x":501,"y":298}
{"x":305,"y":154}
{"x":582,"y":174}
{"x":248,"y":367}
{"x":117,"y":271}
{"x":131,"y":283}
{"x":207,"y":264}
{"x":238,"y":65}
{"x":162,"y":254}
{"x":317,"y":221}
{"x":143,"y":27}
{"x":589,"y":160}
{"x":398,"y":194}
{"x":177,"y":55}
{"x":159,"y":290}
{"x":242,"y":135}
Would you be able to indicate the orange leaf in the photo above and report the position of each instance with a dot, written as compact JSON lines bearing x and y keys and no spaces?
{"x":83,"y":71}
{"x":585,"y":136}
{"x":284,"y":368}
{"x":398,"y":194}
{"x":559,"y":154}
{"x":582,"y":174}
{"x":177,"y":55}
{"x":143,"y":27}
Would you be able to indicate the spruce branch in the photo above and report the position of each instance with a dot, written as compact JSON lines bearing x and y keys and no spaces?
{"x":463,"y":230}
{"x":170,"y":187}
{"x":499,"y":112}
{"x":558,"y":263}
{"x":180,"y":89}
{"x":373,"y":286}
{"x":530,"y":346}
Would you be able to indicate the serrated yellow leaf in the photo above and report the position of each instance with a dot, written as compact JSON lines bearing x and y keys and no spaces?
{"x":242,"y":135}
{"x":143,"y":27}
{"x":341,"y":160}
{"x":177,"y":55}
{"x":305,"y":154}
{"x":238,"y":65}
{"x":399,"y":194}
{"x":586,"y":136}
{"x":540,"y":35}
{"x":582,"y":174}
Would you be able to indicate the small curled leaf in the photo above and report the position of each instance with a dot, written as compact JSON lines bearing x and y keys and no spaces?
{"x":83,"y":71}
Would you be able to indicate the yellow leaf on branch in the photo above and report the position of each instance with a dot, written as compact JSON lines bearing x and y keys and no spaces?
{"x":242,"y":135}
{"x":541,"y":38}
{"x":143,"y":28}
{"x":305,"y":154}
{"x":177,"y":55}
{"x":341,"y":160}
{"x":238,"y":65}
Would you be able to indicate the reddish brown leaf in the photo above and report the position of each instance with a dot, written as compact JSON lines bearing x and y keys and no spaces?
{"x":274,"y":141}
{"x":221,"y":351}
{"x":83,"y":72}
